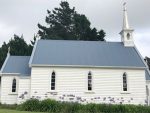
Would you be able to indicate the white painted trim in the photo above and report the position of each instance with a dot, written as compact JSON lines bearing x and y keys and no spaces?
{"x":5,"y":62}
{"x":9,"y":74}
{"x":125,"y":92}
{"x":13,"y":93}
{"x":25,"y":77}
{"x":90,"y":66}
{"x":89,"y":92}
{"x":33,"y":52}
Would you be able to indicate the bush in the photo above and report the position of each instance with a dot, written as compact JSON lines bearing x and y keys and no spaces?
{"x":30,"y":105}
{"x":53,"y":106}
{"x":49,"y":105}
{"x":71,"y":107}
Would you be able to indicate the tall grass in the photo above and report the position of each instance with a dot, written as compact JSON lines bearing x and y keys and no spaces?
{"x":53,"y":106}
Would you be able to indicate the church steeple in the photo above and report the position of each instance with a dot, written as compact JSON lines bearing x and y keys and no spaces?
{"x":125,"y":18}
{"x":127,"y":32}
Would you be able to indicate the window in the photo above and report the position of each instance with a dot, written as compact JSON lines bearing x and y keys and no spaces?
{"x":128,"y":36}
{"x":53,"y":77}
{"x":14,"y":85}
{"x":125,"y":86}
{"x":89,"y":81}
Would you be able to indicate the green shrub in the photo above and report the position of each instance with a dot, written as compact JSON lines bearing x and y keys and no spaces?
{"x":49,"y":105}
{"x":30,"y":105}
{"x":71,"y":107}
{"x":53,"y":106}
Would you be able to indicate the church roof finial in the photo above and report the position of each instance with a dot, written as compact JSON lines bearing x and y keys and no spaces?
{"x":125,"y":18}
{"x":8,"y":51}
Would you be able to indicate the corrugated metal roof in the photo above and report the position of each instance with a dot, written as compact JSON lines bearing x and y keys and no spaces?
{"x":17,"y":64}
{"x":85,"y":53}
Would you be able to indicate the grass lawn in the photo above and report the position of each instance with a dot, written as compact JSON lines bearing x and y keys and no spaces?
{"x":15,"y":111}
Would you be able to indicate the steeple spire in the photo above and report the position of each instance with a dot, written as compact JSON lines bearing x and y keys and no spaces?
{"x":125,"y":18}
{"x":8,"y":53}
{"x":126,"y":32}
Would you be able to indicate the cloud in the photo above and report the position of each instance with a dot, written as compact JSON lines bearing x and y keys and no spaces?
{"x":6,"y":31}
{"x":142,"y":41}
{"x":22,"y":16}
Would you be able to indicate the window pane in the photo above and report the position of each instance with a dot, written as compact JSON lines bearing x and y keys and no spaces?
{"x":124,"y":82}
{"x":89,"y":77}
{"x":14,"y":85}
{"x":53,"y":81}
{"x":13,"y":90}
{"x":124,"y":89}
{"x":53,"y":77}
{"x":52,"y":84}
{"x":89,"y":81}
{"x":89,"y":88}
{"x":52,"y":88}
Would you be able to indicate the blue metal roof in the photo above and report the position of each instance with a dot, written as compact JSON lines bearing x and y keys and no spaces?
{"x":85,"y":53}
{"x":17,"y":64}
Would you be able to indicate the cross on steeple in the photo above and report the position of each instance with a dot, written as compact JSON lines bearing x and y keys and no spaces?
{"x":8,"y":52}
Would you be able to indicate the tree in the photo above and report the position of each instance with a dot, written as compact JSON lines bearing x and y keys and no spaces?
{"x":18,"y":47}
{"x":147,"y":59}
{"x":34,"y":39}
{"x":64,"y":23}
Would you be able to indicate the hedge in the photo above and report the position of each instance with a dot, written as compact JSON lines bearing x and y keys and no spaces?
{"x":53,"y":106}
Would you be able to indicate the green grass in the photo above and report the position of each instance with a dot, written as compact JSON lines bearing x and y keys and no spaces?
{"x":15,"y":111}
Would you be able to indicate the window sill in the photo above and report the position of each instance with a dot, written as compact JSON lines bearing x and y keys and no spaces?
{"x":53,"y":92}
{"x":125,"y":92}
{"x":89,"y":92}
{"x":13,"y":93}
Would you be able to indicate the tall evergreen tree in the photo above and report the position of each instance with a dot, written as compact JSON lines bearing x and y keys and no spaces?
{"x":147,"y":59}
{"x":18,"y":47}
{"x":64,"y":23}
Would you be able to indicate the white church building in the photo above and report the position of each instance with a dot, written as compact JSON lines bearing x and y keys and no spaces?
{"x":78,"y":71}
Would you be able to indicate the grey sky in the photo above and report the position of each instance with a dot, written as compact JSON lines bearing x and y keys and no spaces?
{"x":21,"y":17}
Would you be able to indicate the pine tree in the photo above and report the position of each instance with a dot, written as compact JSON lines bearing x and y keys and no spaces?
{"x":18,"y":47}
{"x":64,"y":23}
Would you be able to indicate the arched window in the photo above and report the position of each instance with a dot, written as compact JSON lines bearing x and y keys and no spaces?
{"x":125,"y":85}
{"x":14,"y":85}
{"x":128,"y":36}
{"x":89,"y":81}
{"x":53,"y":77}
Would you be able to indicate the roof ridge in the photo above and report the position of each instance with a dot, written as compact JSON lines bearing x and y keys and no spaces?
{"x":79,"y":41}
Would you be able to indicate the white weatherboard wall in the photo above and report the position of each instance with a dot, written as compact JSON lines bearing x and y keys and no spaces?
{"x":0,"y":89}
{"x":107,"y":83}
{"x":23,"y":89}
{"x":148,"y":91}
{"x":7,"y":97}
